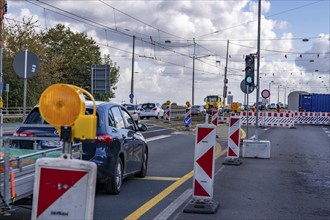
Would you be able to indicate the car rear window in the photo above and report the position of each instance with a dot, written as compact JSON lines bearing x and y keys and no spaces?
{"x":148,"y":106}
{"x":35,"y":118}
{"x":130,"y":107}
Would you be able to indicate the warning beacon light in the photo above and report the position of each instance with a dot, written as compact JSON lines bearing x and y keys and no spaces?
{"x":64,"y":105}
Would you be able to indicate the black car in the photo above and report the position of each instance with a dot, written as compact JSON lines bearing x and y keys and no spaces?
{"x":34,"y":118}
{"x":119,"y":149}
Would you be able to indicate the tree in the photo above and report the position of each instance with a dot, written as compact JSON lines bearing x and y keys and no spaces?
{"x":65,"y":57}
{"x":20,"y":37}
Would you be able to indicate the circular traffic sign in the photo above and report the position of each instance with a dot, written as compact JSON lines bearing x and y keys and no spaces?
{"x":265,"y":93}
{"x":32,"y":64}
{"x":187,"y":121}
{"x":131,"y":96}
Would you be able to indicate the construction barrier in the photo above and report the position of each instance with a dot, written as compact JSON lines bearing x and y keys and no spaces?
{"x":187,"y":117}
{"x":204,"y":165}
{"x":233,"y":141}
{"x":168,"y":113}
{"x":282,"y":119}
{"x":322,"y":118}
{"x":214,"y":117}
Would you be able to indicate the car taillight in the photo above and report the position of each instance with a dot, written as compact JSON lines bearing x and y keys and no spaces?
{"x":197,"y":110}
{"x":154,"y":109}
{"x":133,"y":113}
{"x":103,"y":138}
{"x":23,"y":134}
{"x":141,"y":109}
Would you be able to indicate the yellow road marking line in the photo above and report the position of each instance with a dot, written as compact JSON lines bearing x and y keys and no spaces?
{"x":151,"y":203}
{"x":159,"y":178}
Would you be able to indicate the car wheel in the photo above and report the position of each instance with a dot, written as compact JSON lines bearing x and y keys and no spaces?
{"x":147,"y":117}
{"x":144,"y":166}
{"x":113,"y":186}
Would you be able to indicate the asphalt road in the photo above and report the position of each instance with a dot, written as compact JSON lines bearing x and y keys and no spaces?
{"x":293,"y":184}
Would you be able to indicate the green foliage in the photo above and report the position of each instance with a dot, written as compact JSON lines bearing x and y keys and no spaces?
{"x":65,"y":57}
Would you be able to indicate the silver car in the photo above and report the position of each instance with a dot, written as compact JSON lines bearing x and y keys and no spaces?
{"x":198,"y":110}
{"x":151,"y":110}
{"x":134,"y":111}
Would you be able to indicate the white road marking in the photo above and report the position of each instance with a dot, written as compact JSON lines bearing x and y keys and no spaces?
{"x":163,"y":129}
{"x":157,"y":137}
{"x":169,"y":210}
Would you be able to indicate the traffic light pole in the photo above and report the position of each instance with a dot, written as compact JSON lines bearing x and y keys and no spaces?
{"x":225,"y":77}
{"x":258,"y":66}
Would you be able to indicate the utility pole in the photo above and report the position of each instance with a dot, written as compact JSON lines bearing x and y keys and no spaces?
{"x":193,"y":76}
{"x":225,"y":81}
{"x":3,"y":10}
{"x":258,"y":67}
{"x":131,"y":96}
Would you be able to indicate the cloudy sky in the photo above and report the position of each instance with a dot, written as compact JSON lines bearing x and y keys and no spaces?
{"x":169,"y":32}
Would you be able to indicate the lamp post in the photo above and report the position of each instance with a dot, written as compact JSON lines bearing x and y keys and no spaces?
{"x":278,"y":94}
{"x":131,"y":95}
{"x":193,"y":76}
{"x":269,"y":90}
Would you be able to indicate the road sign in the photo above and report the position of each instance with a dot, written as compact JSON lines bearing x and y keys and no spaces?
{"x":265,"y":93}
{"x":131,"y":96}
{"x":32,"y":64}
{"x":244,"y":89}
{"x":101,"y":79}
{"x":187,"y":121}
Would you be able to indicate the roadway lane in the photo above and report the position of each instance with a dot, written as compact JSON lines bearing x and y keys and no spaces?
{"x":170,"y":158}
{"x":293,"y":184}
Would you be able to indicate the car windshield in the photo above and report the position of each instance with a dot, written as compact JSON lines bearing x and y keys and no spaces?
{"x":212,"y":98}
{"x":148,"y":106}
{"x":195,"y":106}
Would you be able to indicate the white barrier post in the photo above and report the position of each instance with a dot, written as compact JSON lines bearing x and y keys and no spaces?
{"x":234,"y":137}
{"x":187,"y":118}
{"x":204,"y":165}
{"x":215,"y":118}
{"x":168,"y":113}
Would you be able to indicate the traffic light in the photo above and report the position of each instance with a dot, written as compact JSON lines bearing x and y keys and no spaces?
{"x":249,"y":70}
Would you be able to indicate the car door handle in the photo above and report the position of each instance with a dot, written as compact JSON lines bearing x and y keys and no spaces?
{"x":123,"y":136}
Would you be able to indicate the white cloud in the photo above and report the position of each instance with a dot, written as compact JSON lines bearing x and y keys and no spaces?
{"x":168,"y":76}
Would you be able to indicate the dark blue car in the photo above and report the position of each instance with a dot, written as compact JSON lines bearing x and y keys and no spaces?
{"x":119,"y":149}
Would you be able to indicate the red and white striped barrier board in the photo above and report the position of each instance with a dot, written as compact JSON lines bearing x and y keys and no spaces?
{"x":215,"y":118}
{"x":273,"y":119}
{"x":168,"y":113}
{"x":284,"y":119}
{"x":234,"y":137}
{"x":205,"y":145}
{"x":64,"y":189}
{"x":314,"y":118}
{"x":324,"y":118}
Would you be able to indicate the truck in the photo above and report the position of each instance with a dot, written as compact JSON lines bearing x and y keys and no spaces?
{"x":308,"y":102}
{"x":214,"y":101}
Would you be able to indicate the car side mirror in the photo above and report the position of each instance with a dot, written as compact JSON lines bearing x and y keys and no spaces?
{"x":142,"y":127}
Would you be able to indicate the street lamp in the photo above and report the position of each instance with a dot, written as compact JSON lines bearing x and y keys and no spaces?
{"x":269,"y":89}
